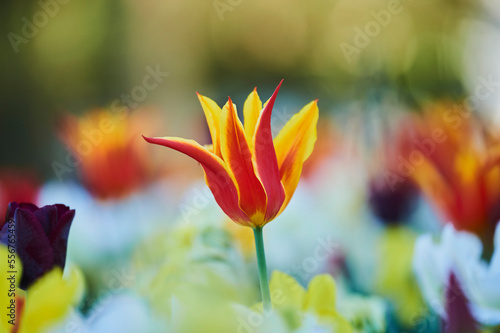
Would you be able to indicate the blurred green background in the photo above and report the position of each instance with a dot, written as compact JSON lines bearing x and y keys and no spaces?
{"x":78,"y":55}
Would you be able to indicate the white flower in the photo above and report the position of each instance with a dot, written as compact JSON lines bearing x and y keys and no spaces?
{"x":125,"y":313}
{"x":102,"y":230}
{"x":366,"y":313}
{"x":459,"y":252}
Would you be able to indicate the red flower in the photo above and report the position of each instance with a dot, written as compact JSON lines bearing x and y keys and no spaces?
{"x":17,"y":186}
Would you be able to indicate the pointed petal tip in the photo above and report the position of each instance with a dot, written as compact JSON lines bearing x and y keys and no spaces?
{"x":275,"y":93}
{"x":255,"y":89}
{"x":155,"y":140}
{"x":201,"y":98}
{"x":279,"y":85}
{"x":229,"y":104}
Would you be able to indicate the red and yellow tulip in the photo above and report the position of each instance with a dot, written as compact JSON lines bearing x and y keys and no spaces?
{"x":251,"y":175}
{"x":460,"y":174}
{"x":111,"y":162}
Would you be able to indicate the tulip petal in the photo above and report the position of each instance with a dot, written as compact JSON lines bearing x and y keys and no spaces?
{"x":61,"y":210}
{"x":51,"y":299}
{"x":33,"y":247}
{"x":212,"y":114}
{"x":436,"y":185}
{"x":458,"y":313}
{"x":321,"y":295}
{"x":46,"y":215}
{"x":11,"y":208}
{"x":218,"y":178}
{"x":294,"y":144}
{"x":238,"y":158}
{"x":251,"y":113}
{"x":290,"y":291}
{"x":265,"y":162}
{"x":59,"y":237}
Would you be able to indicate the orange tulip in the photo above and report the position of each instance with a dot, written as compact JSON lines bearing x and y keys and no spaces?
{"x":251,"y":175}
{"x":111,"y":162}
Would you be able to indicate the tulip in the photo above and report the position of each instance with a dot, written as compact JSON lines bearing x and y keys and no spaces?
{"x":251,"y":176}
{"x":45,"y":304}
{"x":392,"y":206}
{"x":111,"y":162}
{"x":455,"y":163}
{"x":41,"y":237}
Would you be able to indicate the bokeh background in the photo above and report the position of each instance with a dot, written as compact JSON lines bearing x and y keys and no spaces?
{"x":380,"y":69}
{"x":90,"y":53}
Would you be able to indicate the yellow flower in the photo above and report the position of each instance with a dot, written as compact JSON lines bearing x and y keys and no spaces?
{"x":187,"y":262}
{"x":292,"y":300}
{"x":11,"y":297}
{"x":50,"y":299}
{"x":243,"y":237}
{"x":44,"y":304}
{"x":395,"y":279}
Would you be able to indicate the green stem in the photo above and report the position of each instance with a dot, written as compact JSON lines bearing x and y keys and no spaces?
{"x":261,"y":262}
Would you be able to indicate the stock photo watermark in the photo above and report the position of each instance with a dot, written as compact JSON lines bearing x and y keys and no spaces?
{"x":364,"y":36}
{"x":322,"y":252}
{"x":223,"y":6}
{"x":120,"y":107}
{"x":422,"y":321}
{"x":454,"y":117}
{"x":117,"y":281}
{"x":31,"y":27}
{"x":324,"y":249}
{"x":11,"y":273}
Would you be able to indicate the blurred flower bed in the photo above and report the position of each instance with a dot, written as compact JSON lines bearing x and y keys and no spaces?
{"x":360,"y":195}
{"x":358,"y":249}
